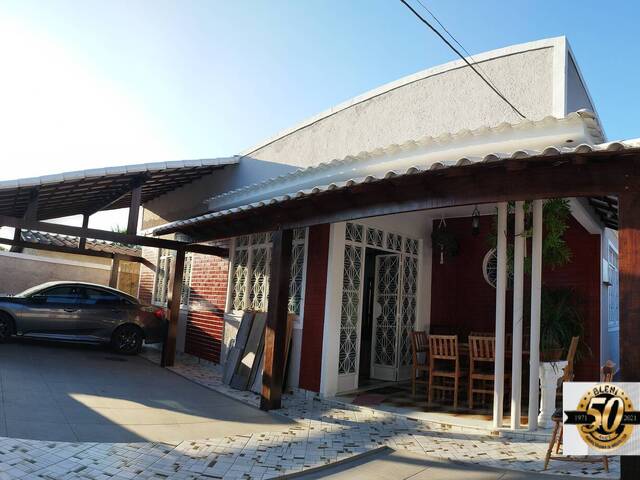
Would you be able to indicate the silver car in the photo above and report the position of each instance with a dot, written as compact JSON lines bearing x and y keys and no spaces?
{"x":82,"y":312}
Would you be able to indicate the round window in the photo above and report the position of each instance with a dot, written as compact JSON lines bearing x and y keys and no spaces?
{"x":490,"y":269}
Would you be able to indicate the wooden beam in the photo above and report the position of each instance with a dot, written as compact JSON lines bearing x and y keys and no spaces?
{"x":276,"y":328}
{"x":543,"y":177}
{"x":77,"y":251}
{"x":114,"y":198}
{"x":85,"y":224}
{"x":115,"y":271}
{"x":629,"y":268}
{"x":134,"y":210}
{"x":111,"y":236}
{"x":174,"y":294}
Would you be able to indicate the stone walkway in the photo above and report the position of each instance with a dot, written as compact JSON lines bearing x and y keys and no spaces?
{"x":326,"y":431}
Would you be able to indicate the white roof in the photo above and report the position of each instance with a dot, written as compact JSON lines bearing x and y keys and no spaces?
{"x":578,"y":127}
{"x":114,"y":171}
{"x":346,"y":172}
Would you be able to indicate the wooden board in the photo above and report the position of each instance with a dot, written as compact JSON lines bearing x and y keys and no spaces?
{"x":238,"y":347}
{"x":240,"y":379}
{"x":255,"y":385}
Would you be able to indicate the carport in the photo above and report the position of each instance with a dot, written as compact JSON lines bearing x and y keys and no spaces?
{"x":84,"y":393}
{"x":27,"y":204}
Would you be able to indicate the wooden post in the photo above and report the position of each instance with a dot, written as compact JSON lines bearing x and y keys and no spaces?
{"x":85,"y":224}
{"x":134,"y":210}
{"x":115,"y":270}
{"x":276,"y":328}
{"x":536,"y":294}
{"x":31,"y":213}
{"x":501,"y":298}
{"x":629,"y":268}
{"x":174,"y":293}
{"x":518,"y":316}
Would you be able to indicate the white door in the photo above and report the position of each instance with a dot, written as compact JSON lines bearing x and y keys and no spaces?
{"x":384,"y":351}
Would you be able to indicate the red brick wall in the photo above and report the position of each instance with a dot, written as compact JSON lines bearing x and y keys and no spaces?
{"x":462,"y":301}
{"x":205,"y":321}
{"x":147,"y":276}
{"x":314,"y":298}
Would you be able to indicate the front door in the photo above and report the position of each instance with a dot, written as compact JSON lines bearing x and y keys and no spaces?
{"x":384,"y":355}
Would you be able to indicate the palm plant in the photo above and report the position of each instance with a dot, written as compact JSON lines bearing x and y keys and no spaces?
{"x":560,"y":320}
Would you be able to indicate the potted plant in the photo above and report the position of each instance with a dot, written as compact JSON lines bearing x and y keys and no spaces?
{"x":560,"y":321}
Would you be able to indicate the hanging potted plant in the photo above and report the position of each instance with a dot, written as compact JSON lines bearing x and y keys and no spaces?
{"x":444,"y":241}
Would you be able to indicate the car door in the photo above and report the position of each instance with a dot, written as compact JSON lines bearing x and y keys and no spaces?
{"x":52,"y":312}
{"x":102,"y":312}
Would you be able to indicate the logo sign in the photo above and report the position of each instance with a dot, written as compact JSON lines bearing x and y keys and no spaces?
{"x":599,"y":418}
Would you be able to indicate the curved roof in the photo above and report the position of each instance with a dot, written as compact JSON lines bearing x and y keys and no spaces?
{"x":87,"y":191}
{"x":608,"y":206}
{"x":428,"y":151}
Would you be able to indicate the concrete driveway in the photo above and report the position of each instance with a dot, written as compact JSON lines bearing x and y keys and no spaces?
{"x":388,"y":464}
{"x":89,"y":394}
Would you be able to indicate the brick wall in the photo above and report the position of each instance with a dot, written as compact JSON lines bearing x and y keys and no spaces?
{"x":462,"y":301}
{"x":147,"y":276}
{"x":205,"y":320}
{"x":314,"y":298}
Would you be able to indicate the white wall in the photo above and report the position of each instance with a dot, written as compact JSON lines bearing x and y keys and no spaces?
{"x":19,"y":271}
{"x":444,"y":99}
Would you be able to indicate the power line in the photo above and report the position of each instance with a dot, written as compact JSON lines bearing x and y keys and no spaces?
{"x":473,"y":60}
{"x":489,"y":84}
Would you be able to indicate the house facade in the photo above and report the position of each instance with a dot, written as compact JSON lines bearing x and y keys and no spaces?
{"x":358,"y":288}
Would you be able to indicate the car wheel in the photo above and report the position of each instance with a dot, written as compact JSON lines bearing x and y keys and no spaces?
{"x":6,"y":327}
{"x":127,"y":340}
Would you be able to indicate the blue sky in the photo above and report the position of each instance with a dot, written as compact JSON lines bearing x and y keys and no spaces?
{"x":94,"y":83}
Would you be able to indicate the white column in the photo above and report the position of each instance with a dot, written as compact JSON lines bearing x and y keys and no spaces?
{"x":518,"y":310}
{"x":332,"y":309}
{"x":536,"y":282}
{"x":501,"y":293}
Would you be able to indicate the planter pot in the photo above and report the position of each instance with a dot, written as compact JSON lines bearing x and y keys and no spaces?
{"x":550,"y":373}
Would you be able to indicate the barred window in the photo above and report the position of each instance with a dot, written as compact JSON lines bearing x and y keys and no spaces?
{"x":161,"y":281}
{"x":250,"y":271}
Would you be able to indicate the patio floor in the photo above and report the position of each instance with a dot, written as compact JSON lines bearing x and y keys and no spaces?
{"x":324,"y":432}
{"x":86,"y":393}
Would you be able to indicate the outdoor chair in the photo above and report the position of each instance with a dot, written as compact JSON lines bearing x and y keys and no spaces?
{"x":482,"y":334}
{"x":606,"y":375}
{"x":419,"y":346}
{"x":568,"y":370}
{"x":444,"y":364}
{"x":482,"y":359}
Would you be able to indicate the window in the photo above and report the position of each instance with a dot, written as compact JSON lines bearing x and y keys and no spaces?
{"x":161,"y":282}
{"x":65,"y":294}
{"x":250,"y":271}
{"x":94,"y":296}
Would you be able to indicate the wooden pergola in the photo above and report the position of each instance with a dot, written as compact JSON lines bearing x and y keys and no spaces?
{"x":26,"y":204}
{"x":609,"y":174}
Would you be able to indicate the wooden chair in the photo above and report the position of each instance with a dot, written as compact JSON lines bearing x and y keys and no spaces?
{"x":482,"y":334}
{"x":482,"y":359}
{"x":568,"y":373}
{"x":606,"y":375}
{"x":571,"y":356}
{"x":444,"y":363}
{"x":419,"y":345}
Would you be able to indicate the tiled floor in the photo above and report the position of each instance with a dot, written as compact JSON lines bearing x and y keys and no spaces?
{"x":324,"y":431}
